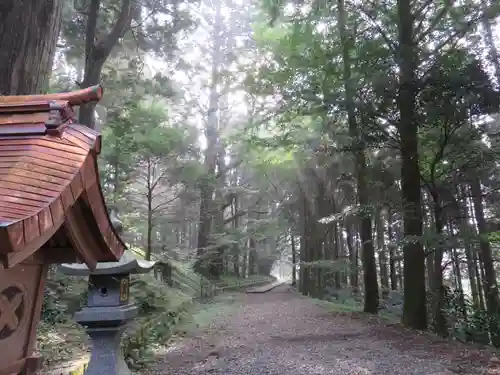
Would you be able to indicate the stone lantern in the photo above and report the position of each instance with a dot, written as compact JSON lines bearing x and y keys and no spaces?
{"x":108,"y":309}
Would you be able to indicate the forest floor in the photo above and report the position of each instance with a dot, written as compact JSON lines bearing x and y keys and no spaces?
{"x":283,"y":333}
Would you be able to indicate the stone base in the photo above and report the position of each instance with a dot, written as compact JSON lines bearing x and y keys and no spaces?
{"x":107,"y":357}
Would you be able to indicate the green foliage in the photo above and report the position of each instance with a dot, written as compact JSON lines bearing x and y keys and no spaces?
{"x":53,"y":311}
{"x":156,"y":26}
{"x":346,"y":306}
{"x":160,"y":310}
{"x":456,"y":90}
{"x":474,"y":325}
{"x":63,"y":295}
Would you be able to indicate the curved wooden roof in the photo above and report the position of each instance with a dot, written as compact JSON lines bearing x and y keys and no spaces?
{"x":49,"y":179}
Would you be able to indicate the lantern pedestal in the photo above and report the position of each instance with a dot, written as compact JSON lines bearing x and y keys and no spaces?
{"x":106,"y":353}
{"x":108,"y":310}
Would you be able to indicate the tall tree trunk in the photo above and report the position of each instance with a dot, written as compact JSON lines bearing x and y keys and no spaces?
{"x":28,"y":34}
{"x":211,"y":152}
{"x":218,"y":226}
{"x":369,"y":265}
{"x":414,"y":307}
{"x":490,"y":282}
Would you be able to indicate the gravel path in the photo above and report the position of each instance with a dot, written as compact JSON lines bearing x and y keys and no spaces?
{"x":283,"y":333}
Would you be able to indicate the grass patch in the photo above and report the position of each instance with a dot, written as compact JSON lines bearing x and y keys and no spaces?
{"x":202,"y":315}
{"x":61,"y":343}
{"x":351,"y":306}
{"x":232,"y":282}
{"x":348,"y":306}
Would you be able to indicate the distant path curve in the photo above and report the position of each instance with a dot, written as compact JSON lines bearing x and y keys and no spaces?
{"x":284,"y":333}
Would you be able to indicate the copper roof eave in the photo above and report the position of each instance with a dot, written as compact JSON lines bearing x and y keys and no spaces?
{"x":103,"y":202}
{"x":29,"y":151}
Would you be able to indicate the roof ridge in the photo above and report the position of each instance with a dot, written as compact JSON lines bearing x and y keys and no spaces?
{"x":79,"y":97}
{"x":35,"y":118}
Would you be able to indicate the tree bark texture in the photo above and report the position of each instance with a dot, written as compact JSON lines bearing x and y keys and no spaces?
{"x":369,"y":265}
{"x":28,"y":34}
{"x":414,"y":307}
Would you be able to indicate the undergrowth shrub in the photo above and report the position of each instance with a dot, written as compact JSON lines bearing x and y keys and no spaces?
{"x":160,"y":309}
{"x":63,"y":296}
{"x":466,"y":321}
{"x":53,"y":311}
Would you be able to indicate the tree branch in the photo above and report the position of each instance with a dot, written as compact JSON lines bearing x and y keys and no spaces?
{"x":119,"y":29}
{"x":390,"y":43}
{"x":433,"y":23}
{"x":90,"y":29}
{"x":163,"y":204}
{"x":241,"y":213}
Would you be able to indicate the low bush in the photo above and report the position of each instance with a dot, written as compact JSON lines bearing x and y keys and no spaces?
{"x":160,"y":310}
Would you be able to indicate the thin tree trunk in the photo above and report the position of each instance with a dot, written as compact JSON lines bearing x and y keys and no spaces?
{"x":371,"y":295}
{"x":236,"y":248}
{"x":392,"y":252}
{"x":399,"y":235}
{"x":469,"y":250}
{"x":336,"y":247}
{"x":252,"y":256}
{"x":478,"y":265}
{"x":353,"y":256}
{"x":147,"y":255}
{"x":437,"y":281}
{"x":490,"y":282}
{"x":458,"y":282}
{"x":304,"y":256}
{"x":294,"y":252}
{"x":382,"y":256}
